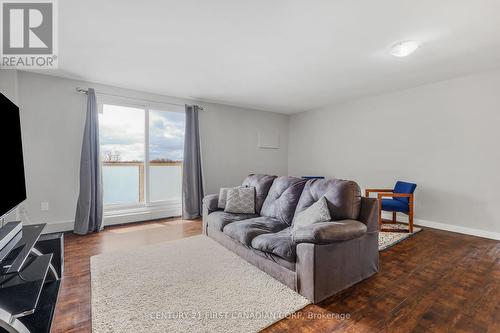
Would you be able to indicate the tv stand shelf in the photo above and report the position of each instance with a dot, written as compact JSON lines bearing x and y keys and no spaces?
{"x":19,"y":293}
{"x":30,"y":282}
{"x":15,"y":259}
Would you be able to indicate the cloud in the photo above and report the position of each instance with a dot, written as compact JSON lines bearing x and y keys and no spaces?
{"x":166,"y":135}
{"x":122,"y":130}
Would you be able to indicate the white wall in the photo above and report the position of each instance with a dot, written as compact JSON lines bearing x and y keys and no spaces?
{"x":8,"y":84}
{"x":52,"y":119}
{"x":443,"y":136}
{"x":230,"y":152}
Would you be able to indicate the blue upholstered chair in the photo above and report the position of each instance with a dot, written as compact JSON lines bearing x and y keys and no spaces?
{"x":400,"y":200}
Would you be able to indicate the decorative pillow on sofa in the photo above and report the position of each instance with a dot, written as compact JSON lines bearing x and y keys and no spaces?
{"x":317,"y":212}
{"x":223,"y":197}
{"x":240,"y":200}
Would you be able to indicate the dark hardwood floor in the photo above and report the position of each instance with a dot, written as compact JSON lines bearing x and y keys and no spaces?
{"x":436,"y":281}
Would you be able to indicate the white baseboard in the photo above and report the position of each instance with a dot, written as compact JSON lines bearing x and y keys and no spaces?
{"x":458,"y":229}
{"x":119,"y":218}
{"x":61,"y":226}
{"x":450,"y":227}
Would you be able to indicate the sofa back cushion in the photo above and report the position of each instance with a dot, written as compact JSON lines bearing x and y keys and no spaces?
{"x":282,"y":198}
{"x":343,"y":197}
{"x":262,"y":184}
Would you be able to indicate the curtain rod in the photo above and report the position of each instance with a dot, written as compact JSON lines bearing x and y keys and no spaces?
{"x":84,"y":91}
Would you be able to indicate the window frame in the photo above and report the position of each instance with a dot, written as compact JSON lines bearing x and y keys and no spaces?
{"x":147,"y":206}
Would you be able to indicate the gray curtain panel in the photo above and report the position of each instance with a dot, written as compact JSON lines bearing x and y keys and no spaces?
{"x":89,"y":207}
{"x":192,"y":178}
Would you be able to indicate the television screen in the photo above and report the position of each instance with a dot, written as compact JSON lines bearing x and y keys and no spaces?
{"x":13,"y":184}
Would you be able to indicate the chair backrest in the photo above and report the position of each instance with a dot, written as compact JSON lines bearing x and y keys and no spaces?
{"x":404,"y":187}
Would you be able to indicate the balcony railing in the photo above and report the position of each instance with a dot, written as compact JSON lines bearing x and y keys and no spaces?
{"x":124,"y":182}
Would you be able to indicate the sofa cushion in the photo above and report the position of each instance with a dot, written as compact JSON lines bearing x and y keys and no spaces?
{"x":343,"y":197}
{"x":241,"y":200}
{"x":279,"y":243}
{"x":277,"y":259}
{"x":219,"y":219}
{"x":245,"y":231}
{"x":282,"y":198}
{"x":262,"y":184}
{"x":329,"y":232}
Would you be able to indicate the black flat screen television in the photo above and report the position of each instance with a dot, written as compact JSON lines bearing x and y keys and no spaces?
{"x":13,"y":190}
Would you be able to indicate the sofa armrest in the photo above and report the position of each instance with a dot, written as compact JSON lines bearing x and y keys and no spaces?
{"x":368,"y":214}
{"x":210,"y":205}
{"x":329,"y":232}
{"x":324,"y":270}
{"x":211,"y":201}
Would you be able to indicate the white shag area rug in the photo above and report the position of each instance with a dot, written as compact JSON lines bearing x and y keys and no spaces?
{"x":388,"y":239}
{"x":188,"y":285}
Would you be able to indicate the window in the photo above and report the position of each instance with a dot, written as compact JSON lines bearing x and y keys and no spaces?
{"x":142,"y":153}
{"x":166,"y":149}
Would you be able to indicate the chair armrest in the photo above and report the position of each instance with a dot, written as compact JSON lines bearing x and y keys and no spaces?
{"x":399,"y":195}
{"x":211,"y":201}
{"x":376,"y":190}
{"x":329,"y":232}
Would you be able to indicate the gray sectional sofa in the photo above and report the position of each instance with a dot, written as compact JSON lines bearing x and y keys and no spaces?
{"x":321,"y":259}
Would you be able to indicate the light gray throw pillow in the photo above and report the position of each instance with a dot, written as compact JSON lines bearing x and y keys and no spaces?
{"x":240,"y":200}
{"x":317,"y":212}
{"x":223,"y":197}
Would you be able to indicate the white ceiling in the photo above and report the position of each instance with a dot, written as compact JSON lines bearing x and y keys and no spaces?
{"x":282,"y":55}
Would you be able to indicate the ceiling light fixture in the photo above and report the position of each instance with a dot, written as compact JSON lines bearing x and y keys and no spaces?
{"x":405,"y":48}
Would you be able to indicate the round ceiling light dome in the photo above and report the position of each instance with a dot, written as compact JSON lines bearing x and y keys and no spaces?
{"x":404,"y":48}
